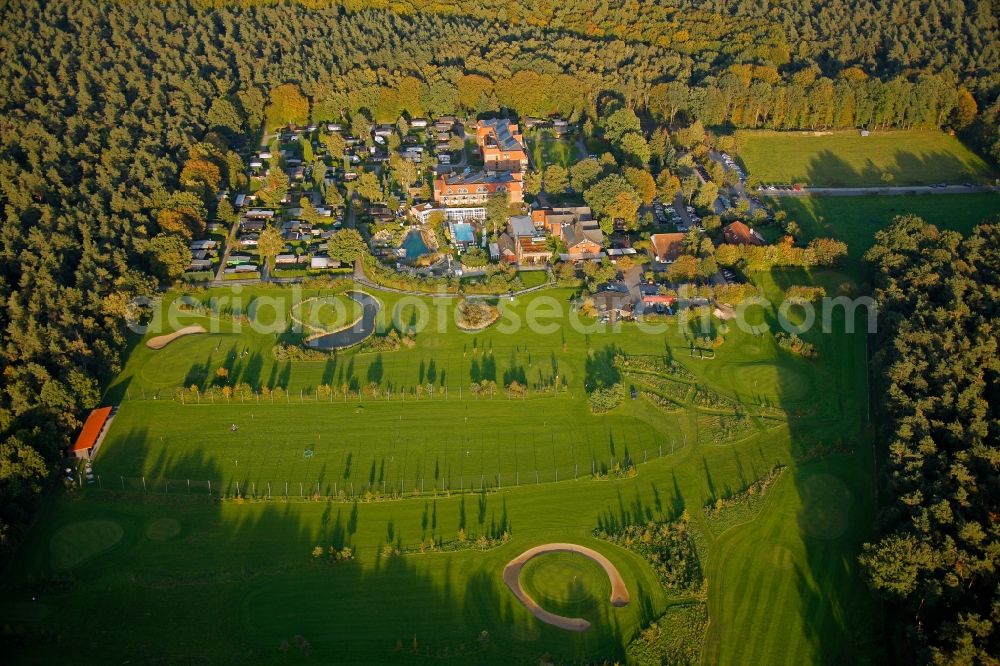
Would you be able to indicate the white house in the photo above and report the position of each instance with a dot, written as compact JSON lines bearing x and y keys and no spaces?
{"x":451,"y":214}
{"x":323,"y":262}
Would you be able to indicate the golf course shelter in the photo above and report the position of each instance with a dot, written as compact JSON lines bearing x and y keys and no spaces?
{"x":92,"y":434}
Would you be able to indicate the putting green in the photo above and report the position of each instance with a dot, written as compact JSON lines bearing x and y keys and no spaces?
{"x":565,"y":583}
{"x":163,"y":529}
{"x":324,"y":314}
{"x":76,"y":543}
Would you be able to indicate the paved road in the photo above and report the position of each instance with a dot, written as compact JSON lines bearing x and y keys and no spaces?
{"x":230,"y":243}
{"x":355,"y":334}
{"x":887,"y":191}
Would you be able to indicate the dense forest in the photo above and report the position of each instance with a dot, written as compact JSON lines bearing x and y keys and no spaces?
{"x":101,"y":103}
{"x":814,"y":45}
{"x":939,"y":365}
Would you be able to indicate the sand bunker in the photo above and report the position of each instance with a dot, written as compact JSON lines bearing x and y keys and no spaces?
{"x":512,"y":576}
{"x":161,"y":341}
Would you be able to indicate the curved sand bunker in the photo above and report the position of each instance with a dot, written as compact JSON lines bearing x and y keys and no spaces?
{"x":512,"y":577}
{"x":161,"y":341}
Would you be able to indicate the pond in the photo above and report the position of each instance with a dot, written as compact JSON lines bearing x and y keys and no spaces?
{"x":414,"y":244}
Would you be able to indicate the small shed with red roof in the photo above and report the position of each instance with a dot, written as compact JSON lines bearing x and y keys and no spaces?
{"x":92,"y":434}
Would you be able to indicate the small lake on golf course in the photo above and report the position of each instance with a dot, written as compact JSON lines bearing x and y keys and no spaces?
{"x":414,"y":244}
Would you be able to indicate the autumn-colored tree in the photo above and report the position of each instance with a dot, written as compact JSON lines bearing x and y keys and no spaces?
{"x":635,"y":148}
{"x":612,"y":197}
{"x":369,"y":187}
{"x":270,"y":243}
{"x":332,"y":196}
{"x":225,"y":212}
{"x":346,"y":246}
{"x":683,"y":269}
{"x":556,"y":179}
{"x":827,"y":250}
{"x":727,"y":255}
{"x":667,"y":186}
{"x":403,"y":171}
{"x":386,"y":105}
{"x":169,"y":255}
{"x":965,"y":109}
{"x":532,"y":183}
{"x":184,"y":214}
{"x":309,"y":213}
{"x":409,"y":97}
{"x":585,"y":173}
{"x":274,"y":189}
{"x":200,"y":173}
{"x":626,"y":207}
{"x":471,"y":87}
{"x":642,"y":182}
{"x":288,"y":106}
{"x":708,"y":192}
{"x":334,"y":143}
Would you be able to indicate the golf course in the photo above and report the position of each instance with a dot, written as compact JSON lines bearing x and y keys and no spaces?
{"x":361,"y":506}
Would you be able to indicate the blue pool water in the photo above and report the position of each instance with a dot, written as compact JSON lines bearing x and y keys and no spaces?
{"x":414,"y":244}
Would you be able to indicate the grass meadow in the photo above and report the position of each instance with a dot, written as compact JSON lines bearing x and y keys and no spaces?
{"x":856,"y":219}
{"x":846,"y":159}
{"x":545,"y":149}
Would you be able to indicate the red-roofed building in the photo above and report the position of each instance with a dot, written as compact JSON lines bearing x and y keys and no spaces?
{"x":737,"y":233}
{"x":92,"y":434}
{"x":501,"y":144}
{"x":475,"y":187}
{"x":666,"y":247}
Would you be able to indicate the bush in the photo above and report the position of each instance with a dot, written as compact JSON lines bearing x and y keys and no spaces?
{"x":805,"y":293}
{"x":796,"y":345}
{"x":474,"y":258}
{"x":675,"y":638}
{"x":476,"y":314}
{"x":286,"y":352}
{"x":669,"y":549}
{"x":725,"y":512}
{"x":386,"y":343}
{"x":605,"y":398}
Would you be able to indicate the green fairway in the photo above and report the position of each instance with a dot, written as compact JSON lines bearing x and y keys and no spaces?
{"x":856,"y":219}
{"x":380,"y":465}
{"x":845,"y":158}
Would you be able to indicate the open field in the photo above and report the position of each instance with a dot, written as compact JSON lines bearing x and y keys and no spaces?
{"x":546,"y":149}
{"x":845,"y":158}
{"x":243,"y":568}
{"x":856,"y":219}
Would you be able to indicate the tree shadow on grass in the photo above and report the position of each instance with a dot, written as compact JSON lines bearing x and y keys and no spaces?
{"x":600,"y":369}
